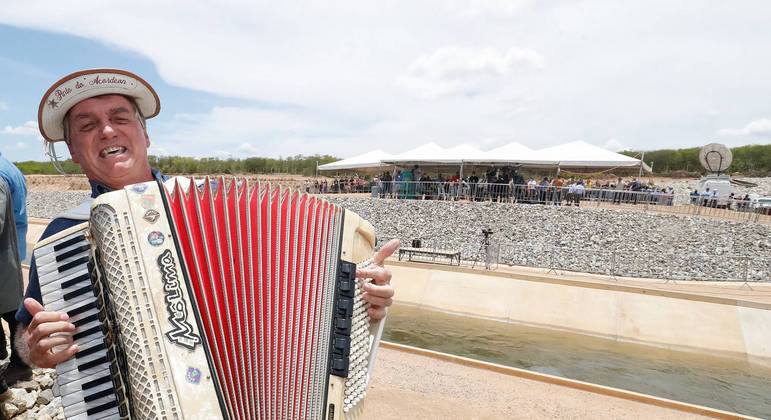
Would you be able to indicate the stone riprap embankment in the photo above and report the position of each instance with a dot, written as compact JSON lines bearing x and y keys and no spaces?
{"x":49,"y":204}
{"x":31,"y":399}
{"x":585,"y":239}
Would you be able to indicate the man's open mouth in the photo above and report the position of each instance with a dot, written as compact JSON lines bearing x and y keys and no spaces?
{"x":112,"y":151}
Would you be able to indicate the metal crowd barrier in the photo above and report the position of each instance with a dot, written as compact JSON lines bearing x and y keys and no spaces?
{"x":651,"y":201}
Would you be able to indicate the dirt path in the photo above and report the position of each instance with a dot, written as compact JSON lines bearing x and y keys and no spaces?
{"x":406,"y":385}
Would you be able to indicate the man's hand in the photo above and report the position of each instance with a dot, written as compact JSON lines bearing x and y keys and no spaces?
{"x":39,"y":339}
{"x":379,"y":293}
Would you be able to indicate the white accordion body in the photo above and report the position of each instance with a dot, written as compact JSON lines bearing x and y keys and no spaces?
{"x":222,"y":300}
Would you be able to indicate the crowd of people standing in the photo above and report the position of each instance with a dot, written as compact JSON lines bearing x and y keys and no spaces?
{"x":508,"y":185}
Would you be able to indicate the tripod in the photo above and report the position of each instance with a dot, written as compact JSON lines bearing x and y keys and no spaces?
{"x":484,"y":249}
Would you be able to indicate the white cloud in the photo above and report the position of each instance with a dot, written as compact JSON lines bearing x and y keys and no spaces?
{"x":490,"y":143}
{"x":462,"y":70}
{"x":495,"y":9}
{"x":247,"y":149}
{"x":760,"y":128}
{"x":18,"y":146}
{"x":3,"y":106}
{"x":28,"y":129}
{"x":243,"y":132}
{"x":345,"y":75}
{"x":615,"y":146}
{"x":159,"y":151}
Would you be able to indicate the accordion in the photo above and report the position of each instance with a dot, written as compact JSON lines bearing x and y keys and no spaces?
{"x":212,"y":300}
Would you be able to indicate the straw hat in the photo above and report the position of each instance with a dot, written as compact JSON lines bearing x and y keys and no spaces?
{"x":72,"y":89}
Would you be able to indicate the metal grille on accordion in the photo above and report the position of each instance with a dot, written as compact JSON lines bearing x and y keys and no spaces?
{"x":224,"y":299}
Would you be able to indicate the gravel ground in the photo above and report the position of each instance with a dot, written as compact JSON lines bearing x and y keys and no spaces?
{"x":578,"y":239}
{"x":585,"y":239}
{"x":48,"y":204}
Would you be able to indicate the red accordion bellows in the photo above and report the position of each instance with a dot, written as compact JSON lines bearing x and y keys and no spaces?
{"x":261,"y":263}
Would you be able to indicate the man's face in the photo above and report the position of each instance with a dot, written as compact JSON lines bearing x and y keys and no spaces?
{"x":108,"y":141}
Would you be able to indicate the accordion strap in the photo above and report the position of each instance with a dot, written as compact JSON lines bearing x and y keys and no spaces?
{"x":81,"y":212}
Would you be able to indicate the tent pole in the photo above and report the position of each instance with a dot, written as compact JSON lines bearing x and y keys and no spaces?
{"x":642,"y":161}
{"x":461,"y":170}
{"x":558,"y":171}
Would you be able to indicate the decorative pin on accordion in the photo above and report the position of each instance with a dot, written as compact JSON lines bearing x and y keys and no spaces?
{"x":213,"y":299}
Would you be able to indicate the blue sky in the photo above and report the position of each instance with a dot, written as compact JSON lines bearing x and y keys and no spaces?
{"x":254,"y":78}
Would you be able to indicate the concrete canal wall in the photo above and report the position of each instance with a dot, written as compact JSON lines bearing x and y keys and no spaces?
{"x":705,"y":323}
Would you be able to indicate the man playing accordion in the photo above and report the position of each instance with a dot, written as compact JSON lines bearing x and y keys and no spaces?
{"x":100,"y":115}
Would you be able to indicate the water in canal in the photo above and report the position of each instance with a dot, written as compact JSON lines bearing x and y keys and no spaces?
{"x":711,"y":381}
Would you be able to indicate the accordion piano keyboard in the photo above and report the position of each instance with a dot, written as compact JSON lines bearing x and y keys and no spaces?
{"x":86,"y":382}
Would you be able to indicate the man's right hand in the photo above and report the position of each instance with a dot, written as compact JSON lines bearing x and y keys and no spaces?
{"x":39,"y":339}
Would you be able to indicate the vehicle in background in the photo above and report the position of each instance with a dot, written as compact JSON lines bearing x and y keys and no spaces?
{"x":761,"y":205}
{"x":719,"y":183}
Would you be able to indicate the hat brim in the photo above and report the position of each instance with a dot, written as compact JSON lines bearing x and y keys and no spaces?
{"x":78,"y":86}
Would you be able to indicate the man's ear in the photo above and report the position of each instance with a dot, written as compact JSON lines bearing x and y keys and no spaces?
{"x":73,"y":155}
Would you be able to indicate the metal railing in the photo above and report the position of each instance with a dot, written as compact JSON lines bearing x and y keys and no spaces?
{"x":652,"y":201}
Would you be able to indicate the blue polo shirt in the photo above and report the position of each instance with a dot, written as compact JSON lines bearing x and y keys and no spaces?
{"x":18,"y":186}
{"x":57,"y":225}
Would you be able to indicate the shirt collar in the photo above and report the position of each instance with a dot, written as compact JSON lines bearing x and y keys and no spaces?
{"x":98,"y":189}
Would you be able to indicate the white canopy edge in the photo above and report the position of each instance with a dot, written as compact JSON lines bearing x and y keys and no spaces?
{"x":569,"y":155}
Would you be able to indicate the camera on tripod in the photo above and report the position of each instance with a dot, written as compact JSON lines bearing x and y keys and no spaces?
{"x":484,"y":249}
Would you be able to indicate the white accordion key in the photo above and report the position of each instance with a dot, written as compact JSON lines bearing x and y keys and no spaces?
{"x":90,"y":354}
{"x":86,"y":386}
{"x":68,"y":251}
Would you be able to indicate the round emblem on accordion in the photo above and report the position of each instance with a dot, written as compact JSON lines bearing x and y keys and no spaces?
{"x":139,"y":188}
{"x":155,"y":238}
{"x":193,"y":375}
{"x":151,"y":216}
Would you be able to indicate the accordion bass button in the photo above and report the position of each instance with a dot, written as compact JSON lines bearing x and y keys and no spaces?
{"x":343,"y":324}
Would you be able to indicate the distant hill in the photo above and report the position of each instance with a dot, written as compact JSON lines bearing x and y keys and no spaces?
{"x":299,"y":165}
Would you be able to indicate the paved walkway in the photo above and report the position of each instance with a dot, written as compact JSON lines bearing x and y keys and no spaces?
{"x":411,"y":386}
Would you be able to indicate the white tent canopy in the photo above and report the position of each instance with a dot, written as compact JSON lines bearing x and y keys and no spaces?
{"x":371,"y":159}
{"x":512,"y":148}
{"x":512,"y":153}
{"x":429,"y":152}
{"x":577,"y":154}
{"x":466,"y":152}
{"x":582,"y":154}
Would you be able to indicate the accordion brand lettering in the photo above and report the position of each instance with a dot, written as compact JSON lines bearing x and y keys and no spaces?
{"x":182,"y":334}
